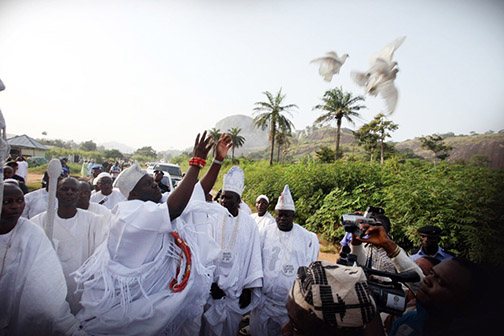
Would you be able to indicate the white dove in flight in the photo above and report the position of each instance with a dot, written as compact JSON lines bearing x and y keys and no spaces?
{"x":379,"y":79}
{"x":330,"y":64}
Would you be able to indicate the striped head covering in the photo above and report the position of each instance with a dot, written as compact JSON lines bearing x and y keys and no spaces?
{"x":336,"y":294}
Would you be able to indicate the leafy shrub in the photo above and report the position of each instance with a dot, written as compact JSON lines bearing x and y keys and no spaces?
{"x":464,"y":201}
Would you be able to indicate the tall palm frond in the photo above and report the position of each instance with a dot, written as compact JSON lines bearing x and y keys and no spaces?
{"x":338,"y":105}
{"x":270,"y":115}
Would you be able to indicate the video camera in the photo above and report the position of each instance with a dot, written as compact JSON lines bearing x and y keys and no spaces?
{"x":389,"y":296}
{"x":351,"y":222}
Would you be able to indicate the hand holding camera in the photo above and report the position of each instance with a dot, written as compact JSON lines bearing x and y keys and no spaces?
{"x":377,"y":236}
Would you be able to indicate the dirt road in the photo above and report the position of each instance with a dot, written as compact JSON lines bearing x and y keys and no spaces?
{"x":33,"y":178}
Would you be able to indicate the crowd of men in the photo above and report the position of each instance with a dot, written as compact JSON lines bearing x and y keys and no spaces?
{"x":126,"y":258}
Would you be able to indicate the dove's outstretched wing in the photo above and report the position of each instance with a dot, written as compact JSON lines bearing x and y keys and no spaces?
{"x":360,"y":78}
{"x":2,"y":86}
{"x":389,"y":92}
{"x":387,"y":52}
{"x":330,"y":64}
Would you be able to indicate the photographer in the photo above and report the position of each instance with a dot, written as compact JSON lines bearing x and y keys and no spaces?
{"x":377,"y":236}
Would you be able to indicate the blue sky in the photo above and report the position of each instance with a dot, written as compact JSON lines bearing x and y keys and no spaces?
{"x":158,"y":72}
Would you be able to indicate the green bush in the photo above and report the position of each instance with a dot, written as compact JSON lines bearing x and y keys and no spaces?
{"x":463,"y":200}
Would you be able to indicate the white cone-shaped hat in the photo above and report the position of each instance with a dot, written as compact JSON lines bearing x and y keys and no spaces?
{"x":234,"y":180}
{"x":285,"y":201}
{"x":128,"y":179}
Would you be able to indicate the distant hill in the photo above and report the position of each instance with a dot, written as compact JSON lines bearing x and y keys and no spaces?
{"x":488,"y":147}
{"x":119,"y":146}
{"x":465,"y":147}
{"x":255,"y":139}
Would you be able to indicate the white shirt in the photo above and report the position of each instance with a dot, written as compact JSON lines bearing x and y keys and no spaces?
{"x":103,"y":212}
{"x":74,"y":239}
{"x":283,"y":252}
{"x":108,"y":201}
{"x":263,"y":221}
{"x":22,"y":169}
{"x":36,"y":203}
{"x":32,"y":286}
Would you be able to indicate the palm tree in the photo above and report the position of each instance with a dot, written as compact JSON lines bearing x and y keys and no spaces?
{"x":338,"y":105}
{"x":237,"y":140}
{"x":215,"y":135}
{"x":272,"y":117}
{"x":282,"y":140}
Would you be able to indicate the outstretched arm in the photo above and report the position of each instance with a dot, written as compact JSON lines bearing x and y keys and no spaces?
{"x":178,"y":199}
{"x":207,"y":182}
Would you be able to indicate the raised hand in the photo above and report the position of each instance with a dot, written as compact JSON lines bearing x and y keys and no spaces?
{"x":377,"y":236}
{"x":223,"y":145}
{"x":202,"y":146}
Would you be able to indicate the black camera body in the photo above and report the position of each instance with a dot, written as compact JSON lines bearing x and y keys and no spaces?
{"x":351,"y":222}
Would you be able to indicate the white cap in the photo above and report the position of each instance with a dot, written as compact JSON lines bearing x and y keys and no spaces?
{"x":11,"y":180}
{"x":264,"y":197}
{"x":128,"y":178}
{"x":99,"y":177}
{"x":285,"y":201}
{"x":234,"y":180}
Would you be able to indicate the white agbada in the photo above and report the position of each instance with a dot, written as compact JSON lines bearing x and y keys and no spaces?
{"x":35,"y":203}
{"x":263,"y":221}
{"x":74,"y":239}
{"x":22,"y":169}
{"x":244,"y":270}
{"x":32,"y":286}
{"x":104,"y":212}
{"x":126,"y":282}
{"x":108,"y":201}
{"x":282,"y":254}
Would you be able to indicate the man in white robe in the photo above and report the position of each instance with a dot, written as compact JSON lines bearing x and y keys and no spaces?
{"x":107,"y":196}
{"x":32,"y":285}
{"x":238,"y":275}
{"x":262,"y":218}
{"x":77,"y":233}
{"x":152,"y":275}
{"x":97,"y":209}
{"x":285,"y":247}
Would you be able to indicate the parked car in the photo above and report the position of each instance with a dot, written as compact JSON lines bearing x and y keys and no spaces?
{"x":172,"y":169}
{"x":35,"y":162}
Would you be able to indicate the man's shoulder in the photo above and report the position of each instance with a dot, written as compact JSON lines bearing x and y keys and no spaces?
{"x":118,"y":193}
{"x":98,"y":208}
{"x":445,"y":253}
{"x":36,"y":193}
{"x":27,"y":227}
{"x":247,"y":220}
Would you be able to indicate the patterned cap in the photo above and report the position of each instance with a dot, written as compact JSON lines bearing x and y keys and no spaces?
{"x":285,"y":201}
{"x":128,"y":178}
{"x":336,"y":294}
{"x":430,"y":230}
{"x":234,"y":180}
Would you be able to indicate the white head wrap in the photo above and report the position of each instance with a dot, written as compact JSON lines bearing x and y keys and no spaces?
{"x":128,"y":179}
{"x":234,"y":180}
{"x":99,"y":177}
{"x":285,"y":201}
{"x":264,"y":197}
{"x":11,"y":180}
